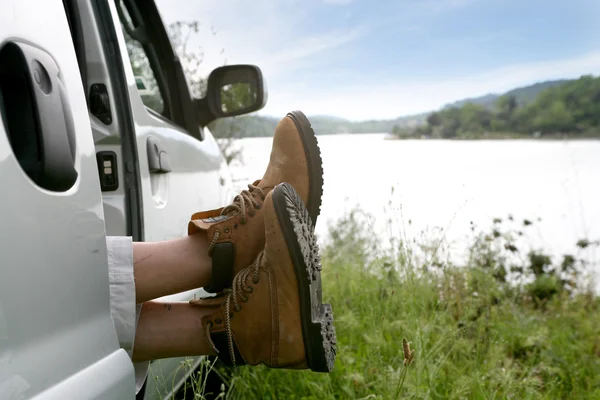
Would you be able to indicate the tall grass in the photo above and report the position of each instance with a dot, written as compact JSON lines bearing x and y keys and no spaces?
{"x":504,"y":326}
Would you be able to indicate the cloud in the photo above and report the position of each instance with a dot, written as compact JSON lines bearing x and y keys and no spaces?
{"x":445,"y":5}
{"x":309,"y":46}
{"x":296,"y":60}
{"x":270,"y":34}
{"x":337,"y":2}
{"x":367,"y":100}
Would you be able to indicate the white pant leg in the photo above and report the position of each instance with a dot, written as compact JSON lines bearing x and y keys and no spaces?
{"x":123,"y":309}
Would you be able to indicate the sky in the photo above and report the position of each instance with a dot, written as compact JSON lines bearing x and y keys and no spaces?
{"x":381,"y":59}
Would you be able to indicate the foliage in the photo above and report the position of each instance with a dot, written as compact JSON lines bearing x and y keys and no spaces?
{"x":407,"y":126}
{"x":570,"y":108}
{"x":180,"y":33}
{"x":259,"y":125}
{"x":487,"y":116}
{"x":523,"y":95}
{"x":228,"y":129}
{"x":510,"y":323}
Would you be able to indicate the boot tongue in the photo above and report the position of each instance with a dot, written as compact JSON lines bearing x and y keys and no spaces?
{"x":205,"y":223}
{"x":202,"y":221}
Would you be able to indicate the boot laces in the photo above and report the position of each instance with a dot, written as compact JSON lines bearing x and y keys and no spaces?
{"x":239,"y":205}
{"x":239,"y":289}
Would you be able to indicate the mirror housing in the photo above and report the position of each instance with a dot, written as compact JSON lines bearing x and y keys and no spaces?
{"x":231,"y":90}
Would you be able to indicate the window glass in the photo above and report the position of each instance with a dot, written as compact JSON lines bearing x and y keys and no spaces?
{"x":145,"y":77}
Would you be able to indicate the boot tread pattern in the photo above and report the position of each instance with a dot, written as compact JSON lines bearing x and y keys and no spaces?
{"x":317,"y":318}
{"x":315,"y":163}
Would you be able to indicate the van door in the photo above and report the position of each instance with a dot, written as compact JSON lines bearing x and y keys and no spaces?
{"x":180,"y":171}
{"x":182,"y":168}
{"x":57,"y":339}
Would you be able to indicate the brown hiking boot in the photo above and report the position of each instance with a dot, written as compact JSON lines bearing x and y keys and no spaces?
{"x":236,"y":232}
{"x":273,"y":314}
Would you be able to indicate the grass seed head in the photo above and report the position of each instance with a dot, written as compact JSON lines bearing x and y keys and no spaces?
{"x":409,"y":354}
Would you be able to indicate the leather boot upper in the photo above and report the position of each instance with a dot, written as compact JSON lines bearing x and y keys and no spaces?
{"x":288,"y":160}
{"x":262,"y":314}
{"x":238,"y":233}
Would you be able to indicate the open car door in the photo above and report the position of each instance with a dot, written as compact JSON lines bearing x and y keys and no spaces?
{"x":57,"y":339}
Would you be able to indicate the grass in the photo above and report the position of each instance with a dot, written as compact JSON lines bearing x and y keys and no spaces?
{"x":505,"y":326}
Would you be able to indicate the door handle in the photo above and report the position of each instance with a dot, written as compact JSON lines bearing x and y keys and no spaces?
{"x":43,"y":94}
{"x":158,"y":158}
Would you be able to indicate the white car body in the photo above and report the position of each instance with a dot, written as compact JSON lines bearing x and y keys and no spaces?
{"x":57,"y":339}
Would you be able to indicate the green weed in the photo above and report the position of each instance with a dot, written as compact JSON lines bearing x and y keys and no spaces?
{"x":510,"y":324}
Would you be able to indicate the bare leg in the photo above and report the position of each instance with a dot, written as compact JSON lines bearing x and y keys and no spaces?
{"x":170,"y":330}
{"x":169,"y":267}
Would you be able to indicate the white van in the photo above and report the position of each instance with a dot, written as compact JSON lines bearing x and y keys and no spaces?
{"x":89,"y":147}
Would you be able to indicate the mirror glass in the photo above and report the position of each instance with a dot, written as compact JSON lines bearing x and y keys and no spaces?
{"x":238,"y":90}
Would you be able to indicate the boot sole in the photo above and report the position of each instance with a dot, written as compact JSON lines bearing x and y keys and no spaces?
{"x":318,"y":330}
{"x":314,"y":161}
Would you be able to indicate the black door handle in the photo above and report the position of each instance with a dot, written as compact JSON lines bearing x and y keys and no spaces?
{"x":36,"y":74}
{"x":158,"y":158}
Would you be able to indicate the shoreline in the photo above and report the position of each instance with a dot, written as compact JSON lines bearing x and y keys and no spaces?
{"x":391,"y":136}
{"x":541,"y":139}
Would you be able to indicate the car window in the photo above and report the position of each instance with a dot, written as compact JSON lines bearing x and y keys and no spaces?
{"x":146,"y":73}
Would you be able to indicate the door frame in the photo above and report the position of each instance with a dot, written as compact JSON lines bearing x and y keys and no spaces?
{"x":134,"y":206}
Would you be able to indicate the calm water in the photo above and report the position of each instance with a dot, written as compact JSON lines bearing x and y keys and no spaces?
{"x":448,"y":184}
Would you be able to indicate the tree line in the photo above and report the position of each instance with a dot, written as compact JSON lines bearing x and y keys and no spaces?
{"x":569,"y":109}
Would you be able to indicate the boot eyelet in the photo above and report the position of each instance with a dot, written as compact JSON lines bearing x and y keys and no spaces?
{"x":258,"y":206}
{"x":230,"y":315}
{"x":218,"y":321}
{"x":250,"y":289}
{"x":237,"y":308}
{"x":226,"y":230}
{"x":255,"y":281}
{"x":252,"y":213}
{"x":235,"y":226}
{"x":244,"y":299}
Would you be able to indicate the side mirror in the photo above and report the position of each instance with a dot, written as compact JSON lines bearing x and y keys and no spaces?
{"x":232,"y":90}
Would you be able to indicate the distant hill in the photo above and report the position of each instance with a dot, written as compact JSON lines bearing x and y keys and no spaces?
{"x":244,"y":126}
{"x":260,"y":125}
{"x":558,"y":109}
{"x":524,"y":95}
{"x":327,"y":125}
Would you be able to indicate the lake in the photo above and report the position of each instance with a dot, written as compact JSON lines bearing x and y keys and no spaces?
{"x":449,"y":184}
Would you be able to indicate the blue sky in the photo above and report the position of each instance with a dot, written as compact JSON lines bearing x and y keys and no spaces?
{"x":369,"y":59}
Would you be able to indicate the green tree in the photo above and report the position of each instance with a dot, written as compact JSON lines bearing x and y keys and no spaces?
{"x":555,"y":118}
{"x":506,"y":105}
{"x":434,"y":119}
{"x":568,"y":108}
{"x":504,"y":117}
{"x":474,"y":118}
{"x":450,"y":123}
{"x":180,"y":33}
